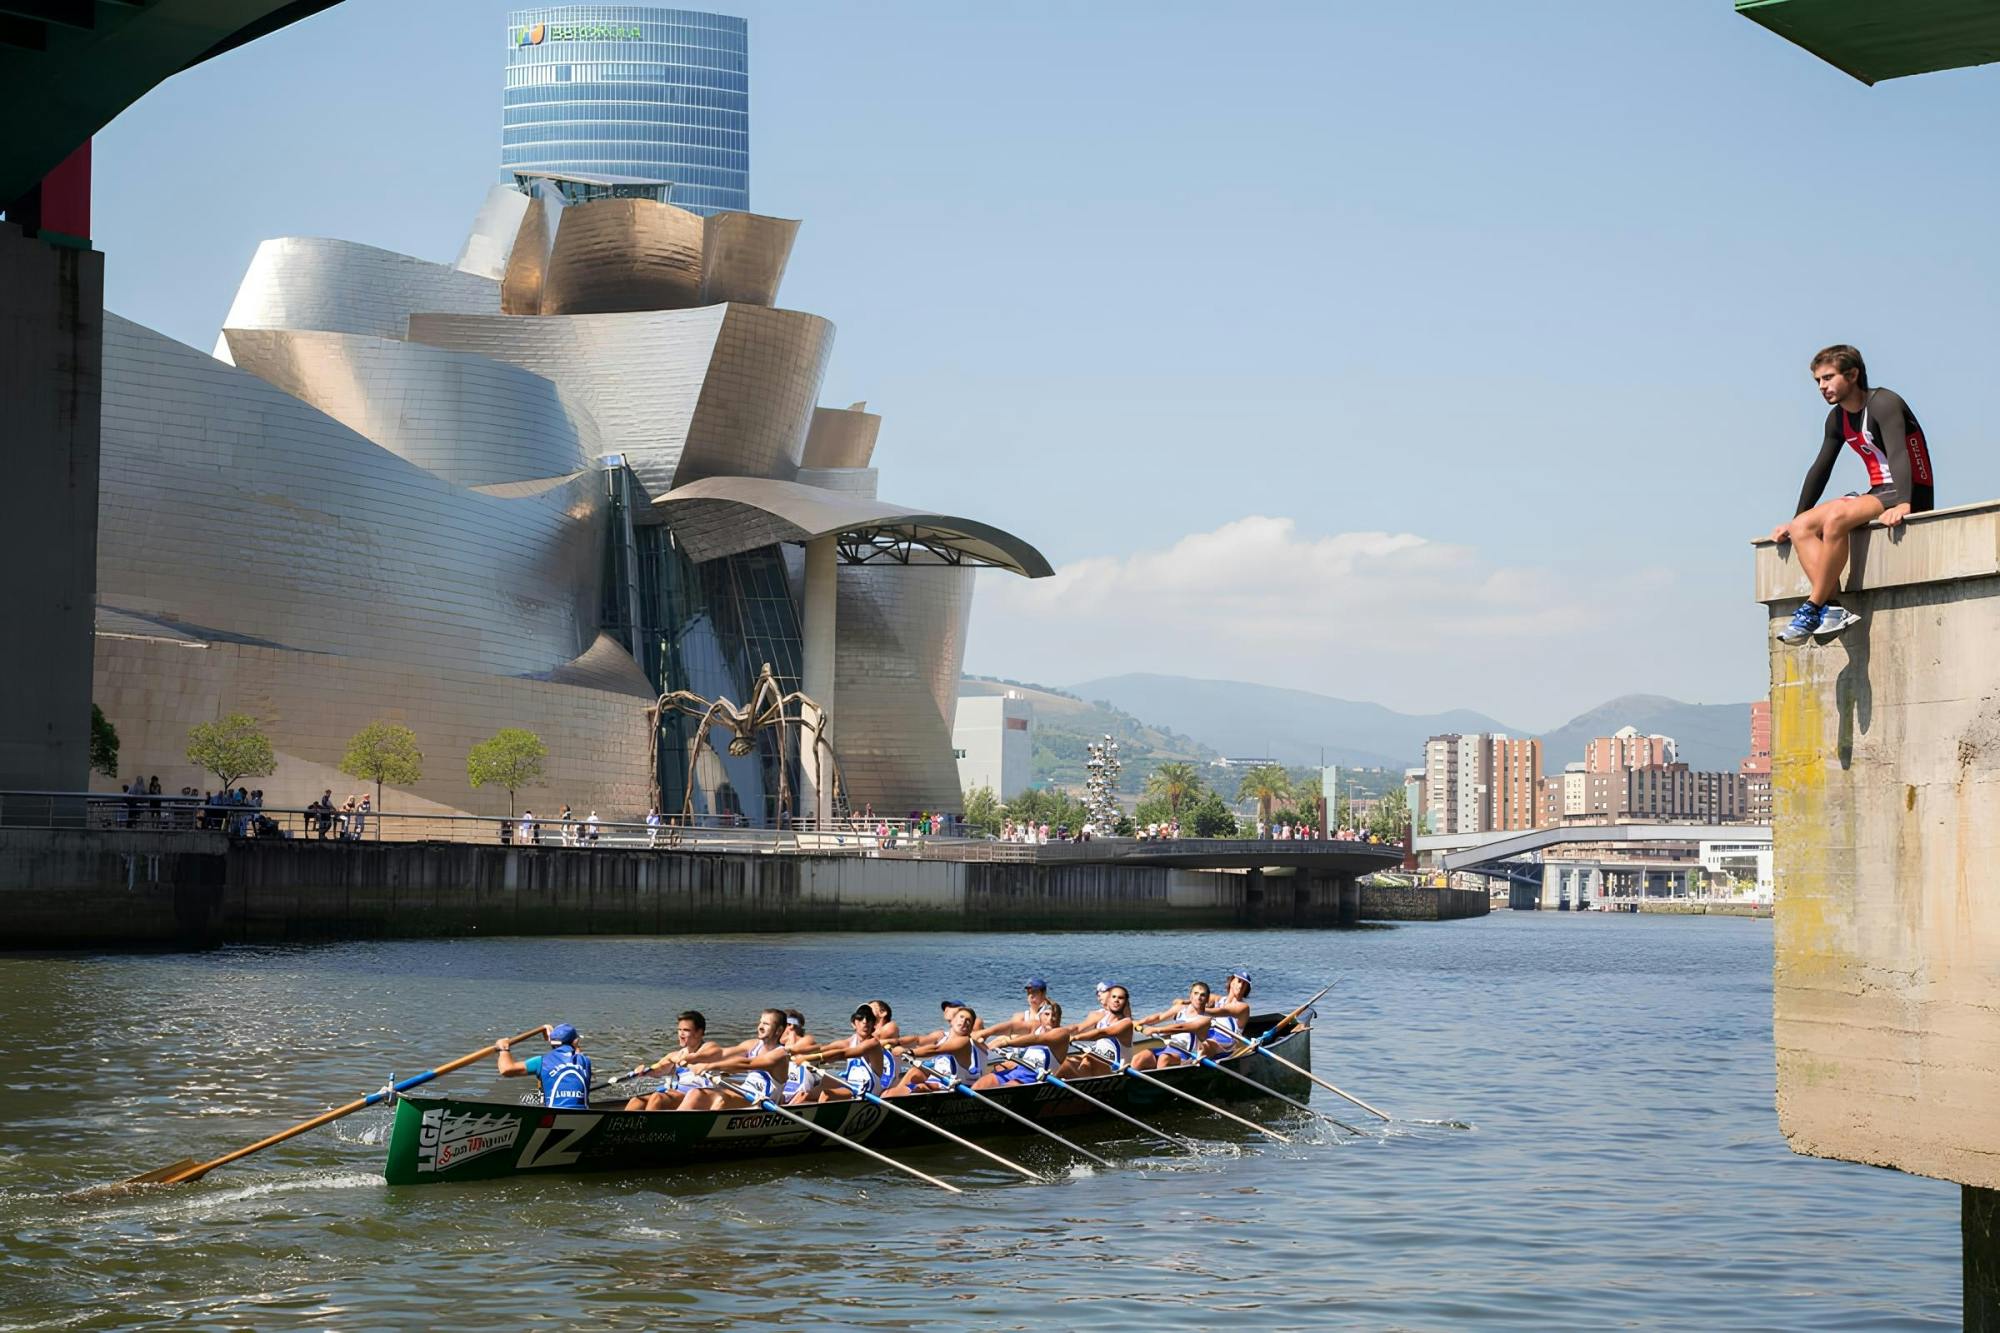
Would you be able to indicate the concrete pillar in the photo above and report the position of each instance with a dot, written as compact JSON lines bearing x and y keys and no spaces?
{"x":1349,"y":911}
{"x":819,"y":632}
{"x":1979,"y":1238}
{"x":51,"y":370}
{"x":1552,"y":886}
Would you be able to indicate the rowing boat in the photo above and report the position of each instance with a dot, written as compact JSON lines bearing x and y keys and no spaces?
{"x":451,"y":1139}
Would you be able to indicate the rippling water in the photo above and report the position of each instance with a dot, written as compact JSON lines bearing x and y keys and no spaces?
{"x":1625,"y":1169}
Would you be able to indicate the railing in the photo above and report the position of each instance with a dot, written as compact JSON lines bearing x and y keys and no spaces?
{"x":892,"y":838}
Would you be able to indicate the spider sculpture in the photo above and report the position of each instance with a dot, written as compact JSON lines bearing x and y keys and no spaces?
{"x":768,"y":708}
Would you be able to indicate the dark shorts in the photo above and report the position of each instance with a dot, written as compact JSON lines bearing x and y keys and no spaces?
{"x":1885,"y":493}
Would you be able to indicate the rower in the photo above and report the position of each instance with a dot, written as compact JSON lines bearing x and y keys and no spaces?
{"x":885,"y":1020}
{"x":1228,"y":1013}
{"x":946,"y":1008}
{"x":691,"y":1029}
{"x":762,"y":1061}
{"x":1185,"y":1026}
{"x":863,"y":1062}
{"x":1026,"y":1064}
{"x":1101,"y":1041}
{"x":563,"y":1073}
{"x":802,"y":1085}
{"x":953,"y":1055}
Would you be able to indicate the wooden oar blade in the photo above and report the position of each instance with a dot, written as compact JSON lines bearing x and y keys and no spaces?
{"x":166,"y":1174}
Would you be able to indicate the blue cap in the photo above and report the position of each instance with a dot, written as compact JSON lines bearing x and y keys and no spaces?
{"x":562,"y":1034}
{"x":1036,"y":983}
{"x":1240,"y":974}
{"x":956,"y":1004}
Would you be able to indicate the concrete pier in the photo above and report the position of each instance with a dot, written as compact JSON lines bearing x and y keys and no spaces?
{"x":78,"y":889}
{"x":1886,"y":827}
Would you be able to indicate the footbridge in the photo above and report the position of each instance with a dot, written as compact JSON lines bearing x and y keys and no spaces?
{"x":1476,"y":852}
{"x":1593,"y":862}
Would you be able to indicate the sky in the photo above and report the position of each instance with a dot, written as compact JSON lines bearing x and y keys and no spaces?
{"x":1443,"y":355}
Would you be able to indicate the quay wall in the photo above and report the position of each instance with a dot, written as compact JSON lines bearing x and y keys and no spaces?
{"x":75,"y":889}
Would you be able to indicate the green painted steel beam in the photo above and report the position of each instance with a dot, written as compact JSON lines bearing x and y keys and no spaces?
{"x":1885,"y":39}
{"x":60,"y":83}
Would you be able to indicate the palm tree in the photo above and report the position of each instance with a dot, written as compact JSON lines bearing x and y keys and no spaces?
{"x":1269,"y":784}
{"x":1177,"y":783}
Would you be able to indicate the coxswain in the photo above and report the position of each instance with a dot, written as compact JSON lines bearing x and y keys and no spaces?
{"x":954,"y":1055}
{"x":762,"y":1061}
{"x":691,"y":1029}
{"x":1101,"y":1042}
{"x":1039,"y":1055}
{"x":1186,"y":1029}
{"x":860,"y":1064}
{"x":564,"y":1074}
{"x":802,"y":1085}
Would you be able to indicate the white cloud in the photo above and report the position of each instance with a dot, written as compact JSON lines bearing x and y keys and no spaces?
{"x":1398,"y":618}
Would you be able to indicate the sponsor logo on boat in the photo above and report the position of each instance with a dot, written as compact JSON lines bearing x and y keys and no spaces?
{"x":749,"y":1122}
{"x":554,"y":1142}
{"x":445,"y":1140}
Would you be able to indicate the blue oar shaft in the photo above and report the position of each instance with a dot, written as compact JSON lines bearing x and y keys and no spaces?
{"x":960,"y":1085}
{"x":887,"y":1105}
{"x":766,"y":1104}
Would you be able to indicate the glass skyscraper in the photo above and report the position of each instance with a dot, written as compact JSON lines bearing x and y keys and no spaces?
{"x":631,"y":92}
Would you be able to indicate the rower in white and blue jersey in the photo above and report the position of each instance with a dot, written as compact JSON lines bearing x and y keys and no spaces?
{"x":1228,"y":1013}
{"x":803,"y":1083}
{"x":860,"y":1064}
{"x":1187,"y":1027}
{"x":760,"y":1065}
{"x":1036,"y":1054}
{"x":692,"y":1031}
{"x":934,"y":1064}
{"x":1101,"y":1042}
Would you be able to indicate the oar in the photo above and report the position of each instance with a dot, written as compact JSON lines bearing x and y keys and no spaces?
{"x":1145,"y":1077}
{"x":888,"y":1105}
{"x":621,"y":1078}
{"x":766,"y":1104}
{"x":958,"y":1084}
{"x":1048,"y":1076}
{"x":1272,"y":1055}
{"x":183,"y":1171}
{"x":1269,"y":1091}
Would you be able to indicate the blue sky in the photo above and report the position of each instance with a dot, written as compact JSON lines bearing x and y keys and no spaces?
{"x":1441,"y":355}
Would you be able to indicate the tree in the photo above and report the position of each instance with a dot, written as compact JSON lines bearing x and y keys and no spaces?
{"x":231,"y":748}
{"x":383,"y":752}
{"x":1210,"y":818}
{"x":511,"y":757}
{"x":1057,"y":809}
{"x":1392,"y":816}
{"x":1177,"y":783}
{"x":1267,"y":784}
{"x":982,"y":811}
{"x":103,"y":744}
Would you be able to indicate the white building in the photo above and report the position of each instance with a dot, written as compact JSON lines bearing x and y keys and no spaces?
{"x":993,"y":736}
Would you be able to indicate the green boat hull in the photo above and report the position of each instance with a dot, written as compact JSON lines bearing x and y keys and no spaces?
{"x":447,"y":1139}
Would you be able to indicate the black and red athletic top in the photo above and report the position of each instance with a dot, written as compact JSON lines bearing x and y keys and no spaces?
{"x":1891,"y":445}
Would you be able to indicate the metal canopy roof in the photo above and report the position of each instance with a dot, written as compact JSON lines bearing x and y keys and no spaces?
{"x":1873,"y":40}
{"x":721,"y":516}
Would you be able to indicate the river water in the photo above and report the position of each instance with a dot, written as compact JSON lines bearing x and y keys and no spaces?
{"x":1624,"y":1168}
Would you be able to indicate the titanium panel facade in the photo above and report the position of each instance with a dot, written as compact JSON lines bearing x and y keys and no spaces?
{"x":467,"y":419}
{"x":841,"y":437}
{"x":627,"y":90}
{"x":491,"y":240}
{"x":899,"y":652}
{"x":310,"y":282}
{"x":743,"y":257}
{"x":624,"y":254}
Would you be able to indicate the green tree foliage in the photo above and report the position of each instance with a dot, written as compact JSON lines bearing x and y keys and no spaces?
{"x":232,"y":748}
{"x":103,"y":744}
{"x":1057,"y":809}
{"x":1266,"y":784}
{"x":1209,"y":817}
{"x":511,"y":757}
{"x":383,"y":752}
{"x":982,"y":811}
{"x":1391,"y":817}
{"x":1176,"y":783}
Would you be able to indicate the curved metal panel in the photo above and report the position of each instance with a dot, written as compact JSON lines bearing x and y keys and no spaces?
{"x":494,"y":228}
{"x":229,"y":505}
{"x":719,"y":389}
{"x":310,"y":282}
{"x":743,"y":257}
{"x":624,"y":254}
{"x":600,"y":742}
{"x":840,"y":437}
{"x":464,"y":418}
{"x":528,"y":260}
{"x":899,"y":650}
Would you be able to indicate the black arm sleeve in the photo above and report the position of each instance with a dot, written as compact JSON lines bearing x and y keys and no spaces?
{"x":1891,"y":420}
{"x":1822,"y":468}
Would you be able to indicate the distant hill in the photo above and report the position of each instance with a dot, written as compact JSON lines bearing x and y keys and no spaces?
{"x":1291,"y":726}
{"x":1711,"y":736}
{"x":1240,"y":720}
{"x":1065,"y":724}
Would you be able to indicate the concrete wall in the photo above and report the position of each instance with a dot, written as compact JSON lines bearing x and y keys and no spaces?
{"x":51,"y":361}
{"x":1402,"y":902}
{"x":1886,"y":823}
{"x":74,"y":889}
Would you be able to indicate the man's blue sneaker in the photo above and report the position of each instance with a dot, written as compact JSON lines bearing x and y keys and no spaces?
{"x":1834,"y":619}
{"x":1804,"y":621}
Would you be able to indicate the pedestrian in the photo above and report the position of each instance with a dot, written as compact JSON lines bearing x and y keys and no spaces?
{"x":1883,"y":432}
{"x":653,"y":826}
